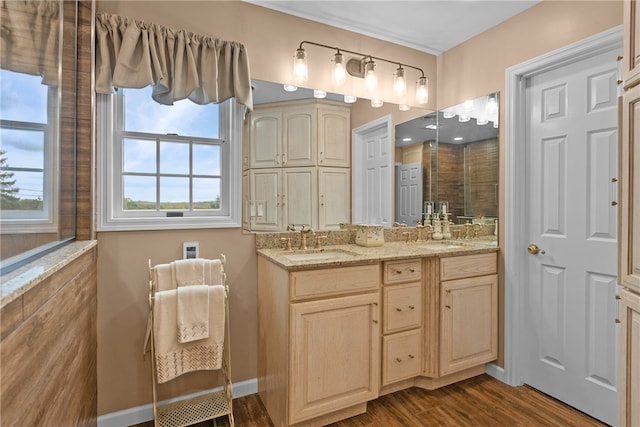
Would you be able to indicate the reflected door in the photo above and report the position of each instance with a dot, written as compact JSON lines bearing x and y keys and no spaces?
{"x":570,"y":343}
{"x":409,"y":193}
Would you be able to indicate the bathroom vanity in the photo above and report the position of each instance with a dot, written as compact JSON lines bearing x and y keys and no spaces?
{"x":344,"y":324}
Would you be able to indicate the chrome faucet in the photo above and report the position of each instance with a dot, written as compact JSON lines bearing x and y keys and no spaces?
{"x":303,"y":237}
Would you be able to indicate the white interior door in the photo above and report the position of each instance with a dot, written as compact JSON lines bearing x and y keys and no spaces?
{"x":569,"y":347}
{"x":371,"y":171}
{"x":409,"y":193}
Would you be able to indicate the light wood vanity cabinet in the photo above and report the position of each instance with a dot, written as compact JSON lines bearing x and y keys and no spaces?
{"x":629,"y":222}
{"x":319,"y":342}
{"x":402,"y":311}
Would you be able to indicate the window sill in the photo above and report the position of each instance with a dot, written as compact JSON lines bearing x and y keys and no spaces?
{"x":21,"y":280}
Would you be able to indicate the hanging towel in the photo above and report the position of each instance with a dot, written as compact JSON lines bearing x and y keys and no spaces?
{"x":173,"y":358}
{"x":193,"y":313}
{"x":189,"y":272}
{"x":214,"y":272}
{"x":164,"y":277}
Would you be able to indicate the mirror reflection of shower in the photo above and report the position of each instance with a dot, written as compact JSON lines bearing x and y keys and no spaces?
{"x":457,"y":150}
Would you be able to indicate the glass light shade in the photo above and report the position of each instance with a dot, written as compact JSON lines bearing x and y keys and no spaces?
{"x":404,"y":107}
{"x":376,"y":103}
{"x":300,"y":70}
{"x":339,"y":72}
{"x":399,"y":83}
{"x":463,"y":118}
{"x":422,"y":90}
{"x":319,"y":94}
{"x":370,"y":78}
{"x":448,"y":114}
{"x":350,"y":99}
{"x":290,"y":88}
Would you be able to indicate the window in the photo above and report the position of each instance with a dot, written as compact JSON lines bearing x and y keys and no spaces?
{"x":167,"y":167}
{"x":28,"y":152}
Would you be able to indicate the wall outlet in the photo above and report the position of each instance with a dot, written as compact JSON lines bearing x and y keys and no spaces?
{"x":190,"y":250}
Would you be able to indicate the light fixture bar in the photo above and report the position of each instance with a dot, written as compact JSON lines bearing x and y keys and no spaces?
{"x":371,"y":57}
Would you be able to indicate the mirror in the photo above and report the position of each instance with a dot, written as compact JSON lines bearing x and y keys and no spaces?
{"x":449,"y":158}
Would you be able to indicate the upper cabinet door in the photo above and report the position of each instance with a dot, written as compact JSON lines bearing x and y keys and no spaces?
{"x":300,"y":137}
{"x":334,"y":137}
{"x":266,"y":139}
{"x":629,"y":256}
{"x":631,"y":70}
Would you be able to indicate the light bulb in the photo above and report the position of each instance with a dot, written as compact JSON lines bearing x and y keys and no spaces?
{"x":370,"y":78}
{"x":422,"y":90}
{"x":300,"y":70}
{"x":339,"y":73}
{"x":399,"y":83}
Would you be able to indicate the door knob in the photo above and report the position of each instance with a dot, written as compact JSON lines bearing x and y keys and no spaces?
{"x":534,"y":249}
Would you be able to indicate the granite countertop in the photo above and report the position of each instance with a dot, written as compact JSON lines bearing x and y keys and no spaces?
{"x":349,"y":254}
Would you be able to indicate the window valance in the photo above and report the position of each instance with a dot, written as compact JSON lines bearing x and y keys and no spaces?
{"x":177,"y":63}
{"x":30,"y":37}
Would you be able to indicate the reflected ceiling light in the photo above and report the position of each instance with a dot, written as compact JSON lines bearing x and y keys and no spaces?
{"x":463,"y":118}
{"x":362,"y":66}
{"x":406,"y":139}
{"x":431,"y":126}
{"x":319,"y":94}
{"x":290,"y":88}
{"x":458,"y":138}
{"x":339,"y":72}
{"x":350,"y":99}
{"x":376,"y":103}
{"x":492,"y":104}
{"x":404,"y":107}
{"x":495,"y":124}
{"x":448,"y":114}
{"x":482,"y":122}
{"x":399,"y":83}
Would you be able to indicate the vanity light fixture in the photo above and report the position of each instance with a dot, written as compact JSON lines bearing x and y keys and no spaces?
{"x":362,"y":66}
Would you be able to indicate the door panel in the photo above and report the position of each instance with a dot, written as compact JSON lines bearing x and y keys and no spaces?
{"x":572,"y":132}
{"x":409,"y":194}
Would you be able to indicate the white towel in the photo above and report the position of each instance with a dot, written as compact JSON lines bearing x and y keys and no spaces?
{"x":214,"y":272}
{"x":189,"y":272}
{"x":173,"y":358}
{"x":193,"y":313}
{"x":164,"y":277}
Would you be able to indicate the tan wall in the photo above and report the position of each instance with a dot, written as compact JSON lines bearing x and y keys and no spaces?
{"x":468,"y":71}
{"x":477,"y":67}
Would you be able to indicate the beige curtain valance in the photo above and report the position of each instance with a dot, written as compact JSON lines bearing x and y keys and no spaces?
{"x":29,"y":38}
{"x":178,"y":64}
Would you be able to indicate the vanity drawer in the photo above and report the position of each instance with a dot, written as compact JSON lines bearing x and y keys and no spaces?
{"x":468,"y":266}
{"x":402,"y":271}
{"x":401,"y":356}
{"x":402,"y":307}
{"x":334,"y":281}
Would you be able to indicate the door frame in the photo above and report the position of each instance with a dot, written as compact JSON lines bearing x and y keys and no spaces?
{"x":357,"y":164}
{"x":515,"y":257}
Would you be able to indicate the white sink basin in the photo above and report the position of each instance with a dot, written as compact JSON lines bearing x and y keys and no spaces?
{"x":318,"y":255}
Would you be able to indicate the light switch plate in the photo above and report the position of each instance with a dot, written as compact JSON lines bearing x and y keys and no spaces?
{"x":190,"y":250}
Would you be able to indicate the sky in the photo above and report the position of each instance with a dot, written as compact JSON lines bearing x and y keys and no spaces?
{"x":24,"y":98}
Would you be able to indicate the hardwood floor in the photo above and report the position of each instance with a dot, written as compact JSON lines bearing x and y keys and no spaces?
{"x":480,"y":401}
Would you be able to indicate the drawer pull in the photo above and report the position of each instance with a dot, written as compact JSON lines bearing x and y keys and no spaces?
{"x":413,"y":270}
{"x":411,"y":356}
{"x":448,"y":306}
{"x":375,"y":321}
{"x":397,"y":271}
{"x":400,"y":360}
{"x":410,"y":307}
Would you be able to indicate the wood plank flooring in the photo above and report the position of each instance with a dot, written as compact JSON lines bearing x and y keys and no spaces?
{"x":480,"y":401}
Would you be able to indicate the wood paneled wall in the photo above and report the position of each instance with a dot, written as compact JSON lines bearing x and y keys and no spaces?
{"x":482,"y":172}
{"x":451,"y":177}
{"x":48,"y":349}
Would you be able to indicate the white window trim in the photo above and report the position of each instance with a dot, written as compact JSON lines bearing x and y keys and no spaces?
{"x":46,"y":220}
{"x":231,"y":116}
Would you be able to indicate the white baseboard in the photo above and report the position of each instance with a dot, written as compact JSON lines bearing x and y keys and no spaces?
{"x":144,"y":413}
{"x":496,"y":371}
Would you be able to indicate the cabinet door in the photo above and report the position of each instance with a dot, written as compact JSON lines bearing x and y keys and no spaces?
{"x":266,"y":139}
{"x":631,"y":71}
{"x":334,"y":355}
{"x":334,"y":194}
{"x":299,"y":201}
{"x":246,"y":202}
{"x":469,"y":323}
{"x":334,"y":137}
{"x":629,"y":391}
{"x":629,"y":203}
{"x":299,"y":140}
{"x":265,"y":199}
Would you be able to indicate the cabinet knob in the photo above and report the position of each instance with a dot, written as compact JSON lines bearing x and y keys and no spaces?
{"x":448,"y":306}
{"x":398,"y":360}
{"x":375,"y":321}
{"x":413,"y":270}
{"x":411,"y":356}
{"x":618,"y":321}
{"x":614,"y":203}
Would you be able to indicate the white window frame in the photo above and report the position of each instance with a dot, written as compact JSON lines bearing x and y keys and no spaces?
{"x":112,"y":217}
{"x":45,"y":220}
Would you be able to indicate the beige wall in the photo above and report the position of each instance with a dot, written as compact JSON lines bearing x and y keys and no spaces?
{"x":470,"y":70}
